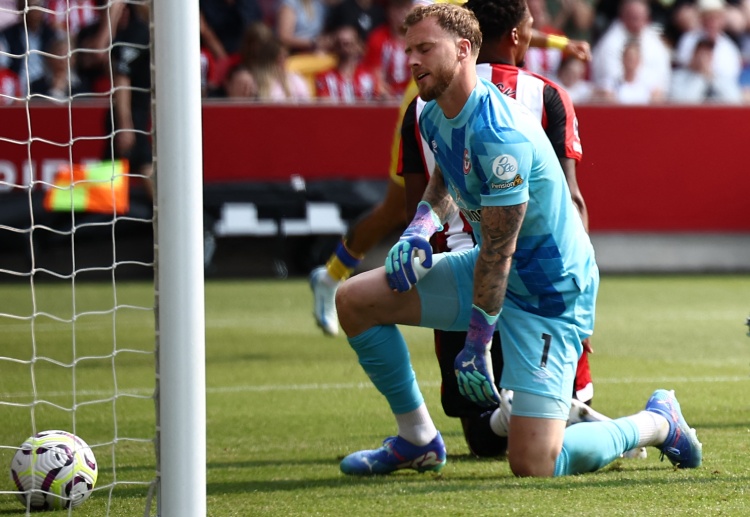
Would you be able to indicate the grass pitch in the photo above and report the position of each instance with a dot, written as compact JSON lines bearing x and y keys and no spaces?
{"x":285,"y":403}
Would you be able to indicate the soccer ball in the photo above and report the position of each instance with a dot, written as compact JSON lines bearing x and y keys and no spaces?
{"x":54,"y":470}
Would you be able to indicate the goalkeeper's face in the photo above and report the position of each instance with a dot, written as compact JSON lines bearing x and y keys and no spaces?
{"x":433,"y":58}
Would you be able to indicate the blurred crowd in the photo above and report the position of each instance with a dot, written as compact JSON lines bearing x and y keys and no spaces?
{"x":344,"y":51}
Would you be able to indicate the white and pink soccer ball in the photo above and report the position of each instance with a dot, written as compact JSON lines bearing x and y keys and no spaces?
{"x":53,"y":470}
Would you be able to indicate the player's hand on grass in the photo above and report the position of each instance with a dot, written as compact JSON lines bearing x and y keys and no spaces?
{"x":473,"y":365}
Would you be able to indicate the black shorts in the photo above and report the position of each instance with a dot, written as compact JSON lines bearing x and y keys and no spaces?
{"x":447,"y":346}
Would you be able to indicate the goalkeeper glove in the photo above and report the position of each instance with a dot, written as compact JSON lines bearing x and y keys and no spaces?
{"x":414,"y":245}
{"x":473,"y":364}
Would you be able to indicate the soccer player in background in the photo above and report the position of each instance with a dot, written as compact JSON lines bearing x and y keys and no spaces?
{"x":389,"y":215}
{"x":532,"y":276}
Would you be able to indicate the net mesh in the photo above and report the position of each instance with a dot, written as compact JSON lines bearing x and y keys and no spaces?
{"x":76,"y":233}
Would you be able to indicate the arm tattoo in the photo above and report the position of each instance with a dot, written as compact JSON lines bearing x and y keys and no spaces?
{"x":437,"y":195}
{"x":500,"y":227}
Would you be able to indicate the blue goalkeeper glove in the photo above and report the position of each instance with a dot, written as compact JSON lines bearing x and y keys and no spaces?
{"x":473,"y":364}
{"x":414,"y":245}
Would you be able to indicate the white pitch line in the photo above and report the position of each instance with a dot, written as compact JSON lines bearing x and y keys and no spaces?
{"x":367,"y":385}
{"x":260,"y":388}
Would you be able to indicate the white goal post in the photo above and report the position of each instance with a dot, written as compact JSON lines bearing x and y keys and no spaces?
{"x":120,"y":362}
{"x":181,"y":399}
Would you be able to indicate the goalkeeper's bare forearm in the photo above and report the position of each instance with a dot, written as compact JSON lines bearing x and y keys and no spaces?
{"x":437,"y":195}
{"x":500,"y":227}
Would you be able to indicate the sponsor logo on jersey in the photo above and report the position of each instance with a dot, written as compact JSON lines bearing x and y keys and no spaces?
{"x":467,"y":162}
{"x":505,"y":167}
{"x":508,"y":184}
{"x":507,"y":90}
{"x":473,"y":216}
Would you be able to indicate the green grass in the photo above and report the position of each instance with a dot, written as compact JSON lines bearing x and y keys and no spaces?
{"x":285,"y":404}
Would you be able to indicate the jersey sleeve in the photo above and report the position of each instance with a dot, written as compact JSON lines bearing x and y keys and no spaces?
{"x":562,"y":123}
{"x":505,"y":161}
{"x":410,"y":161}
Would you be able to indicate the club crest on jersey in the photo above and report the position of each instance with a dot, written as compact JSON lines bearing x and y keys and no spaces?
{"x":467,"y":162}
{"x":505,"y":167}
{"x":434,"y":146}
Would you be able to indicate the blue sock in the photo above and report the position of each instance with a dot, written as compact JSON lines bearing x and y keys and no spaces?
{"x":384,"y":356}
{"x":589,"y":446}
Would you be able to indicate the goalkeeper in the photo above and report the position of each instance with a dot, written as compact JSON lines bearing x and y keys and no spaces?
{"x":481,"y":426}
{"x":532,"y":275}
{"x":389,"y":215}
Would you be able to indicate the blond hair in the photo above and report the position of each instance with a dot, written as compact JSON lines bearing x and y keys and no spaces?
{"x":454,"y":19}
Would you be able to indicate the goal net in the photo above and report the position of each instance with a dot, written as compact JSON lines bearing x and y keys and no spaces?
{"x":101,"y":296}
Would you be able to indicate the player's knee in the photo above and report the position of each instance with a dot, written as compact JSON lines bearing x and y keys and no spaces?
{"x":350,"y":307}
{"x":539,"y":464}
{"x":345,"y":301}
{"x":531,"y":466}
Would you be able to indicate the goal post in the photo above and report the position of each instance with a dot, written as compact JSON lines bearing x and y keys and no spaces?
{"x":91,"y":345}
{"x":181,"y":399}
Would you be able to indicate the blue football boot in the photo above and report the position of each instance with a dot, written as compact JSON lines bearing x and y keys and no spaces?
{"x":395,"y":454}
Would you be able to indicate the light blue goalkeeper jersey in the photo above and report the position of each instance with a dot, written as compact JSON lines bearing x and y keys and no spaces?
{"x":495,"y":153}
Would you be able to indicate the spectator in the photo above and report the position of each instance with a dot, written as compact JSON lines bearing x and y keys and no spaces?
{"x":574,"y":18}
{"x":222,"y":24}
{"x":542,"y":61}
{"x":10,"y":87}
{"x":92,"y":63}
{"x":696,"y":83}
{"x":632,"y":25}
{"x":366,"y":15}
{"x":745,"y":74}
{"x":386,"y":47}
{"x":737,"y":19}
{"x":129,"y":121}
{"x":8,"y":13}
{"x":634,"y":86}
{"x":662,"y":15}
{"x":26,"y":39}
{"x":571,"y":75}
{"x":70,"y":16}
{"x":262,"y":73}
{"x":60,"y":80}
{"x":299,"y":25}
{"x":726,"y":63}
{"x":350,"y":80}
{"x":208,"y":69}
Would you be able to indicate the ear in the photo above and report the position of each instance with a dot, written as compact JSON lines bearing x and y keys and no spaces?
{"x":464,"y":48}
{"x":514,"y":36}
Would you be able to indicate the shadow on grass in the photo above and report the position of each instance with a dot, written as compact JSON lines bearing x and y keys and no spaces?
{"x":608,"y":477}
{"x":326,"y":463}
{"x":431,"y":483}
{"x":139,"y":492}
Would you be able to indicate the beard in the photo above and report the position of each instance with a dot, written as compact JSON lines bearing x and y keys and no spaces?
{"x":442,"y":79}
